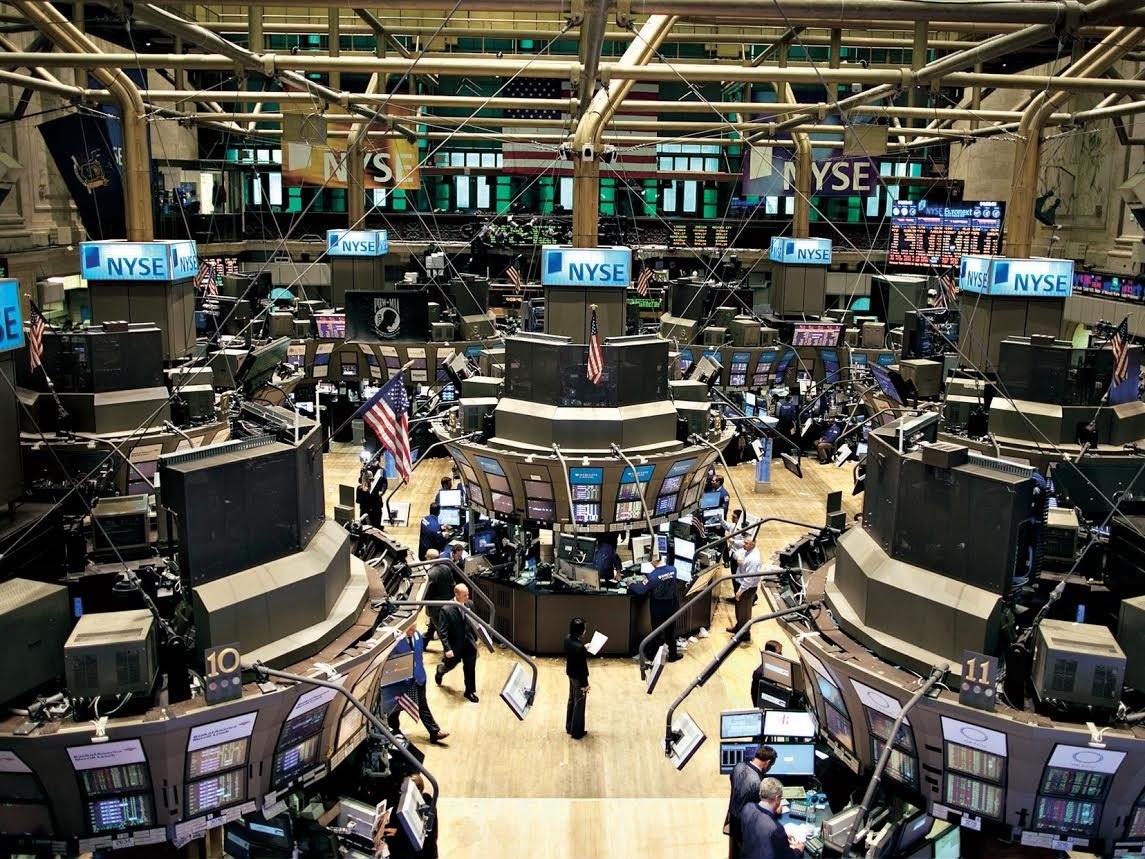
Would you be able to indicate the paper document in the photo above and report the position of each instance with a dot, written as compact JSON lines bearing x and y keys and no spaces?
{"x":598,"y":640}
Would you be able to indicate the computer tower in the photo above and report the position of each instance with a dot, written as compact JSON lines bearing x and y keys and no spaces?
{"x":121,"y":525}
{"x":112,"y":653}
{"x":1078,"y":663}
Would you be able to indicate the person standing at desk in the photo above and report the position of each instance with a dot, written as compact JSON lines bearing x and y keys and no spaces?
{"x":725,"y":498}
{"x":748,"y":563}
{"x":459,"y":639}
{"x":431,"y":536}
{"x":368,"y":505}
{"x":763,"y":835}
{"x":663,"y":601}
{"x":606,"y":561}
{"x":415,"y":644}
{"x":439,"y":587}
{"x":576,"y":669}
{"x":745,"y":780}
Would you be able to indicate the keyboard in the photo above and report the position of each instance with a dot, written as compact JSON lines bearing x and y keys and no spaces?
{"x":813,"y":847}
{"x":794,"y":793}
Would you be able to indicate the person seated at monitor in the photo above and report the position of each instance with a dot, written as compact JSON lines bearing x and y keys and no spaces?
{"x":763,"y":835}
{"x":757,"y":676}
{"x":431,"y":536}
{"x":606,"y":561}
{"x":825,"y":447}
{"x":446,"y":486}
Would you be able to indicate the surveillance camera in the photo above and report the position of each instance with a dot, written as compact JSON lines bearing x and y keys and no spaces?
{"x":587,"y":152}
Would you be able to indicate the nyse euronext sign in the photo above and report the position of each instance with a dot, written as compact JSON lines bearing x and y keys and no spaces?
{"x":800,"y":251}
{"x":357,"y":243}
{"x":11,"y":322}
{"x":150,"y":261}
{"x":586,"y":267}
{"x":1038,"y":277}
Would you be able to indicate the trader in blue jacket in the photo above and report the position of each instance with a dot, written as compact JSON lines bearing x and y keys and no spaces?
{"x":415,"y":644}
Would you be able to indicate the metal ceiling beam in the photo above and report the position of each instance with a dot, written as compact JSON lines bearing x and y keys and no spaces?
{"x":840,"y":13}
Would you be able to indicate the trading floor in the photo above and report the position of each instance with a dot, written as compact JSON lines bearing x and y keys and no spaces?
{"x":504,"y":781}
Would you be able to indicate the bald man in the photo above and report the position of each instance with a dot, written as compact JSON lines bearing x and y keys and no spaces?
{"x":459,"y":640}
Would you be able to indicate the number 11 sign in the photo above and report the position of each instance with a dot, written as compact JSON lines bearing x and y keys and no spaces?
{"x":979,"y":676}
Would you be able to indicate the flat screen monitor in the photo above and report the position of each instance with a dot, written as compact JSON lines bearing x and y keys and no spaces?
{"x":498,"y":483}
{"x":215,"y":792}
{"x":409,"y":814}
{"x":738,"y":724}
{"x":732,"y":753}
{"x":948,"y":845}
{"x":117,"y":779}
{"x":662,"y":544}
{"x":483,"y":541}
{"x":710,"y":500}
{"x":913,"y":830}
{"x":666,"y":504}
{"x":503,"y":503}
{"x":817,"y":334}
{"x":671,"y":484}
{"x":685,"y":571}
{"x":224,"y":756}
{"x":683,"y":549}
{"x":542,"y":511}
{"x":302,"y":726}
{"x":713,"y":518}
{"x":450,"y":516}
{"x":779,"y":669}
{"x":972,"y":795}
{"x":689,"y":738}
{"x":883,"y":379}
{"x":656,"y":668}
{"x":586,"y":514}
{"x":118,"y":813}
{"x":789,"y":723}
{"x":538,"y":489}
{"x":449,"y":498}
{"x":793,"y":759}
{"x":294,"y":760}
{"x":585,"y":492}
{"x":330,"y":326}
{"x":627,"y":511}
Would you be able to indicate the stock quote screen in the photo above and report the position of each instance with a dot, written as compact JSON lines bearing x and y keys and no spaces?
{"x":926,"y":235}
{"x":699,"y":236}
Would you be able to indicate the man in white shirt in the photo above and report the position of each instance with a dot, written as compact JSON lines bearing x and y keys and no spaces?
{"x":747,"y":589}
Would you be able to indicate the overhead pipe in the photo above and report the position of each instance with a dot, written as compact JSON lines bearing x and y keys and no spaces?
{"x":248,"y":60}
{"x":591,"y":44}
{"x":355,"y":166}
{"x":843,"y":13}
{"x":589,"y":132}
{"x":987,"y":50}
{"x":136,"y":152}
{"x":1019,"y":234}
{"x":38,"y":71}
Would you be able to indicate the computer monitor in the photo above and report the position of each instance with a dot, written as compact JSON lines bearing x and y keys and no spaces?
{"x":732,"y":753}
{"x":641,"y":549}
{"x":409,"y":814}
{"x":450,"y":516}
{"x":684,"y":571}
{"x":789,"y":723}
{"x":449,"y":498}
{"x":793,"y":759}
{"x":713,"y":518}
{"x":657,"y":668}
{"x":484,"y":541}
{"x":709,"y":500}
{"x":779,"y":669}
{"x":683,"y":549}
{"x":913,"y":829}
{"x":689,"y":738}
{"x":737,"y":724}
{"x":948,"y":845}
{"x":662,"y":544}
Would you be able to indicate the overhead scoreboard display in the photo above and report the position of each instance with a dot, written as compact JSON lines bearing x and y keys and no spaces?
{"x":716,"y":236}
{"x":926,"y":235}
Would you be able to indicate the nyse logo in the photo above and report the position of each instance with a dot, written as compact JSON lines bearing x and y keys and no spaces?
{"x":354,"y":246}
{"x":976,"y":279}
{"x":125,"y":267}
{"x":802,"y":253}
{"x":588,"y":272}
{"x":1032,"y":283}
{"x":183,"y":265}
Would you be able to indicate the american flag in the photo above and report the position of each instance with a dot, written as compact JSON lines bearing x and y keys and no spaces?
{"x":643,"y":281}
{"x":595,"y":353}
{"x":948,"y":291}
{"x":387,"y":413}
{"x":514,"y":275}
{"x":407,"y":700}
{"x":1119,"y":342}
{"x":530,"y":157}
{"x":36,"y":338}
{"x":205,"y":279}
{"x":698,"y":524}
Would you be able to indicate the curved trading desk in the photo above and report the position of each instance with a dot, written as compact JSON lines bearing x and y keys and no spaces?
{"x":536,"y":617}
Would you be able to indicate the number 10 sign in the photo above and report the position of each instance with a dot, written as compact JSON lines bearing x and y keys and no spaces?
{"x":224,"y":674}
{"x":979,"y":674}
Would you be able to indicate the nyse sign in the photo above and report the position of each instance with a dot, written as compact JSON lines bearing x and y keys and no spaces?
{"x":11,"y":323}
{"x":800,"y":251}
{"x":586,"y":267}
{"x":1020,"y":278}
{"x":357,"y":243}
{"x":149,"y":261}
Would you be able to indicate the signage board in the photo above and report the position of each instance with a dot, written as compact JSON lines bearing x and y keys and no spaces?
{"x":357,"y":243}
{"x":11,"y":320}
{"x":586,"y":267}
{"x":140,"y":261}
{"x":1038,"y":277}
{"x":799,"y":251}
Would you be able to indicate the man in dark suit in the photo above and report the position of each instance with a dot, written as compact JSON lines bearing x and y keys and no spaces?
{"x":439,"y":587}
{"x":576,"y":668}
{"x":763,"y":836}
{"x":459,"y":639}
{"x":745,"y":780}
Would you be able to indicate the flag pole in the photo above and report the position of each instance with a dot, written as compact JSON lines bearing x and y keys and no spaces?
{"x":62,"y":415}
{"x":346,"y":422}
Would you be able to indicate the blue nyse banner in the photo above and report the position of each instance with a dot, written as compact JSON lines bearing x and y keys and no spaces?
{"x":1021,"y":278}
{"x":608,"y":267}
{"x":146,"y":261}
{"x":800,"y":251}
{"x":643,"y":474}
{"x":357,"y":243}
{"x":11,"y":322}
